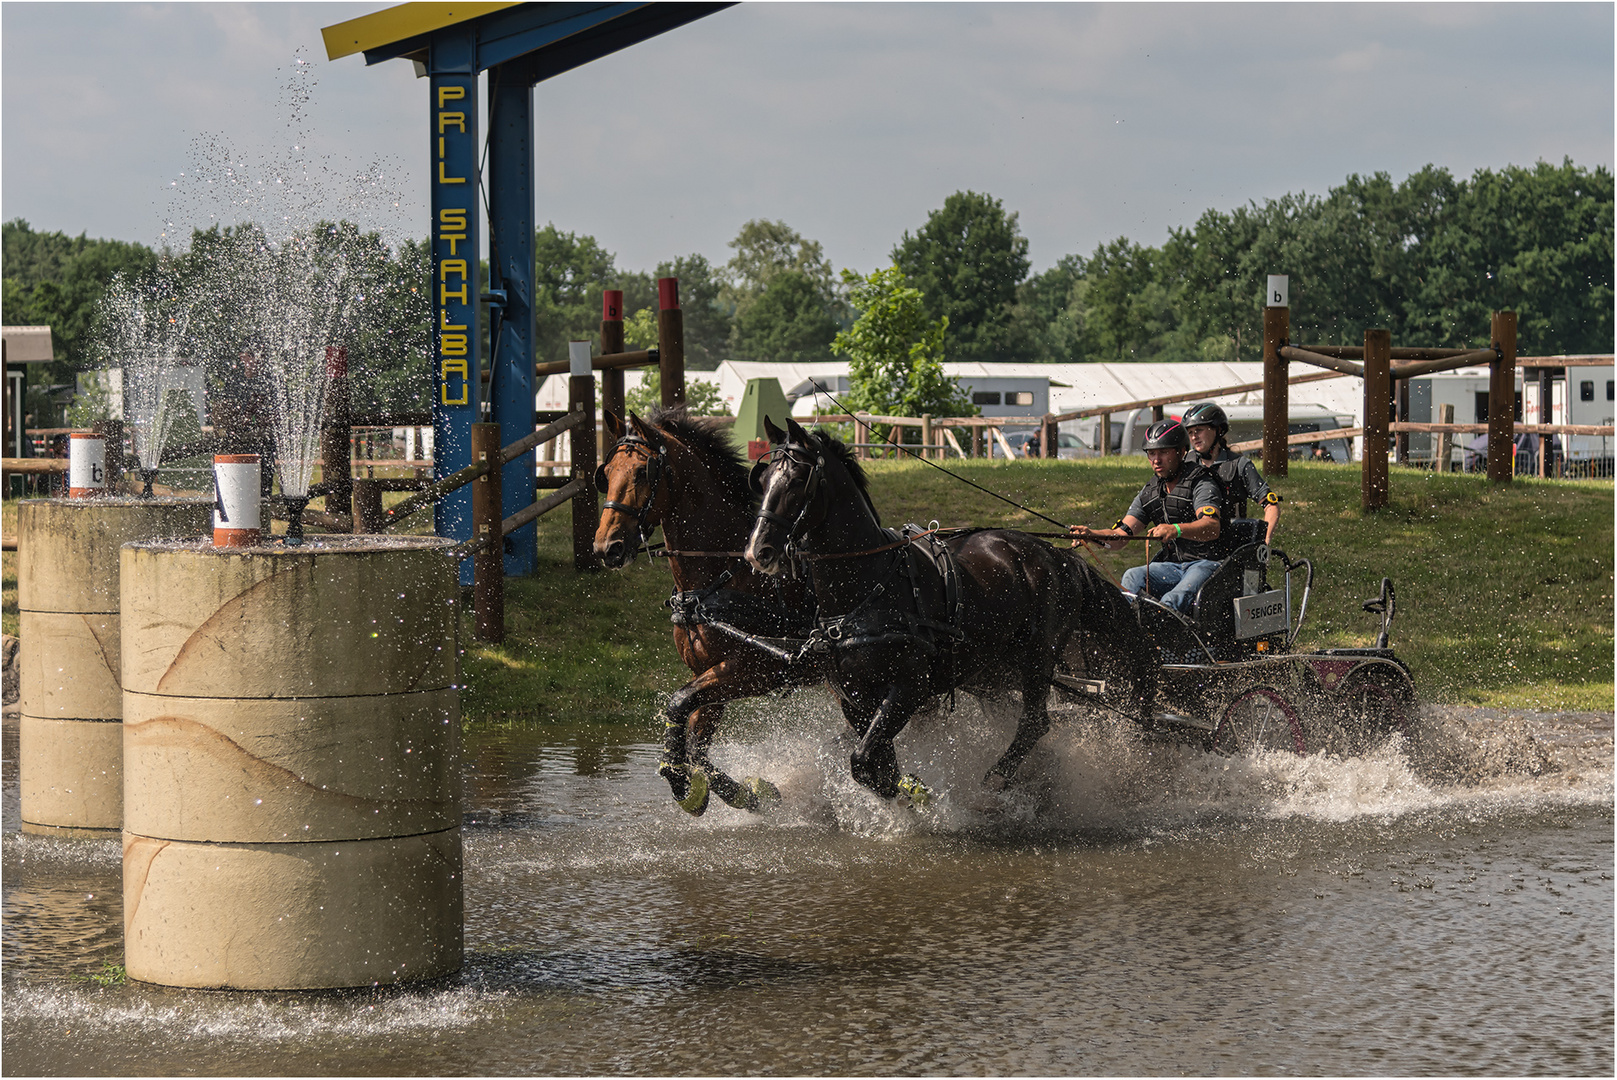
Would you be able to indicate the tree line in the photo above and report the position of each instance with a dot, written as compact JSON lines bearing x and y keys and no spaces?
{"x":1428,"y":258}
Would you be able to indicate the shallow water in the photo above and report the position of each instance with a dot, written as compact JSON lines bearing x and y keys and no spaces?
{"x":1443,"y":905}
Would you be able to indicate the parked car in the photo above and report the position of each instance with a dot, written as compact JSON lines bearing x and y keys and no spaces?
{"x":1067,"y":445}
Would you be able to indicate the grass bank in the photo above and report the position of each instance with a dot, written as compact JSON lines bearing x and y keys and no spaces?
{"x":1504,"y":593}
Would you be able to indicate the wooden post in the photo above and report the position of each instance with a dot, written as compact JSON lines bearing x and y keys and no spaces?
{"x":976,"y":440}
{"x":335,"y":444}
{"x":1546,"y":415}
{"x":1445,"y":416}
{"x":1502,"y":398}
{"x":926,"y":437}
{"x":671,"y":341}
{"x":1105,"y":434}
{"x":581,"y":398}
{"x":1377,"y":406}
{"x":1276,"y":391}
{"x":861,"y":438}
{"x":488,"y":565}
{"x":1048,"y":433}
{"x":367,"y":507}
{"x":1400,"y":398}
{"x":611,"y":342}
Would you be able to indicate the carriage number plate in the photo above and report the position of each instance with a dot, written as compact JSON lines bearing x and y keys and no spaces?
{"x":1264,"y":613}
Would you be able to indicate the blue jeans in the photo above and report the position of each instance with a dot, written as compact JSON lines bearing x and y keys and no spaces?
{"x":1174,"y":584}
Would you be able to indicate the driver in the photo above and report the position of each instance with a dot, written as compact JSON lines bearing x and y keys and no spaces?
{"x":1238,"y":479}
{"x":1184,"y":510}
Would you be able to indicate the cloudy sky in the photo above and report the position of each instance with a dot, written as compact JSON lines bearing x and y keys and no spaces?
{"x":848,"y":121}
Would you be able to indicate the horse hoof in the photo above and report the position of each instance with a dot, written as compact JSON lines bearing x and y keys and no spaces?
{"x":678,"y":777}
{"x":917,"y":793}
{"x":996,"y":782}
{"x":695,"y":800}
{"x":761,"y":794}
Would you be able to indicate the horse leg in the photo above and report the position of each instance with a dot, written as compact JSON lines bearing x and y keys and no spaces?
{"x":694,"y":712}
{"x":1032,"y":726}
{"x":754,"y":793}
{"x":874,"y":761}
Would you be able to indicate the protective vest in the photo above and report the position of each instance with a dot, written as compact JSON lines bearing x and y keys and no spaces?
{"x":1178,"y":507}
{"x":1227,"y":475}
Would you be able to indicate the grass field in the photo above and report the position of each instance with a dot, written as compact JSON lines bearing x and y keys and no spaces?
{"x":1504,"y":593}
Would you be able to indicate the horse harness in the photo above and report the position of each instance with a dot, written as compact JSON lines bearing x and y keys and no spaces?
{"x":655,"y":458}
{"x":934,"y":627}
{"x":929,"y":621}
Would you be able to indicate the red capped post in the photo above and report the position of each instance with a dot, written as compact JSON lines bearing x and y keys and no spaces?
{"x":671,"y":341}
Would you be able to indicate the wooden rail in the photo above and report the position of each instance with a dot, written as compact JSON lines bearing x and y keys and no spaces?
{"x":460,"y":478}
{"x":605,"y":362}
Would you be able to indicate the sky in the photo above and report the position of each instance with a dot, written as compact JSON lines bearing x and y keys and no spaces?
{"x":850,"y":122}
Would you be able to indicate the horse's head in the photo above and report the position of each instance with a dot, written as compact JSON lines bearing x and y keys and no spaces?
{"x":634,"y":485}
{"x":789,"y":481}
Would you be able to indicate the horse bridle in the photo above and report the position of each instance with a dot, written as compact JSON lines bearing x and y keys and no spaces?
{"x":655,"y":457}
{"x":800,"y":454}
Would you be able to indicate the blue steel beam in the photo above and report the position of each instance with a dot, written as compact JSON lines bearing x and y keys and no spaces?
{"x":511,"y":272}
{"x":452,"y":111}
{"x":521,"y":45}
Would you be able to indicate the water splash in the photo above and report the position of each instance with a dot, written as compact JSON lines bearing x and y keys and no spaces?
{"x":145,"y":328}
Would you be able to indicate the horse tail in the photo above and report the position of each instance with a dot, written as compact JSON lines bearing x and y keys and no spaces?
{"x":1100,"y":611}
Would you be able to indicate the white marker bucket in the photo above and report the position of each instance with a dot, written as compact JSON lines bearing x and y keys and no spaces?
{"x":86,"y":465}
{"x":236,"y":521}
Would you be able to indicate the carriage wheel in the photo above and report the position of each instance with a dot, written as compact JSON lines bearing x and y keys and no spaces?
{"x":1371,"y":703}
{"x":1260,"y":719}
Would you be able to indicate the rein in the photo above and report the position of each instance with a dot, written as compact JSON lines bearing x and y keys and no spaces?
{"x":820,"y":389}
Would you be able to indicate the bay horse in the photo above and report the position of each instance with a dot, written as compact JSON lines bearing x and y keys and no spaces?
{"x":895,"y":630}
{"x":736,"y":629}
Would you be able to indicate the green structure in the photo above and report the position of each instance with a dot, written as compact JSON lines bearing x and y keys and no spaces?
{"x":763,"y":397}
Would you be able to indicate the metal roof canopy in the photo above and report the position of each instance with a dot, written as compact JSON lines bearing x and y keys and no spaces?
{"x":519,"y":45}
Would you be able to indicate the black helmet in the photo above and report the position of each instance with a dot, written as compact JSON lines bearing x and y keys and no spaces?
{"x":1209,"y":414}
{"x":1167,"y":435}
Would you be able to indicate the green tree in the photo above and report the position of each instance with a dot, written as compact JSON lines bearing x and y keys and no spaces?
{"x":764,"y":249}
{"x":571,"y":272}
{"x":895,"y":351}
{"x":1537,"y":241}
{"x":789,"y":321}
{"x":51,"y":279}
{"x":782,"y":295}
{"x":968,"y":260}
{"x":702,"y":398}
{"x":1044,"y":315}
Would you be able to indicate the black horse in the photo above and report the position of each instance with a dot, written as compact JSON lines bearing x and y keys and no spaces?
{"x":991,"y":610}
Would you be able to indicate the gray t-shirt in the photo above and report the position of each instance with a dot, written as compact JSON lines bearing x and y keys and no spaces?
{"x":1205,"y":495}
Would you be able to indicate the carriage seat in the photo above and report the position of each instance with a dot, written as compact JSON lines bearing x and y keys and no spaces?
{"x":1243,"y":573}
{"x":1210,"y":628}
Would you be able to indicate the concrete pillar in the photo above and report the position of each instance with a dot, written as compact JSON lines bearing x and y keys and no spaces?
{"x":291,"y":747}
{"x":70,"y":751}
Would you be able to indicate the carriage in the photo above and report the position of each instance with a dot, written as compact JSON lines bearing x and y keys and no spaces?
{"x":1232,"y":679}
{"x":894,"y":619}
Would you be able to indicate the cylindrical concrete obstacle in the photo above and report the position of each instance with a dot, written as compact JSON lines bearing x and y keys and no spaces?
{"x":70,"y":751}
{"x":291,"y":764}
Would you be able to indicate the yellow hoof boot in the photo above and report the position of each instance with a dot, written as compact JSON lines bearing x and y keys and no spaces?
{"x":695,"y":800}
{"x":761,"y":794}
{"x":914,"y":791}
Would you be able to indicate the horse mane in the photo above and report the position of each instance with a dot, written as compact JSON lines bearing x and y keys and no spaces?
{"x":845,"y":454}
{"x":708,"y":438}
